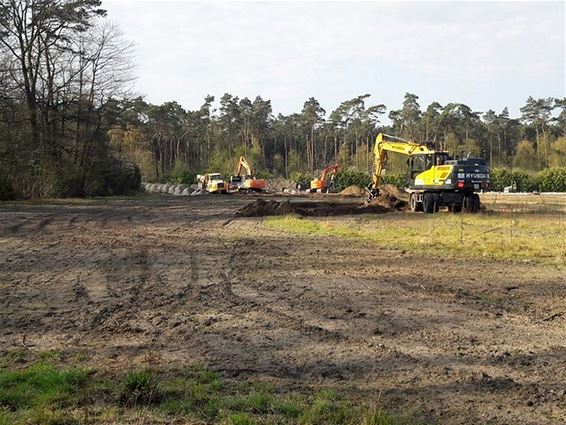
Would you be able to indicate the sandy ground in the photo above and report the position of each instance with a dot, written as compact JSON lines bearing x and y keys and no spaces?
{"x":183,"y":280}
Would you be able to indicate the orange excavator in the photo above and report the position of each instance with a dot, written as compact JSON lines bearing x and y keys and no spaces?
{"x":321,"y":184}
{"x":246,"y":182}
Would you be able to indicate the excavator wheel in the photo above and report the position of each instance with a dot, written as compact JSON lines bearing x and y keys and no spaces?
{"x":476,"y":203}
{"x":471,"y":203}
{"x":414,"y":205}
{"x":455,"y":208}
{"x":429,"y":206}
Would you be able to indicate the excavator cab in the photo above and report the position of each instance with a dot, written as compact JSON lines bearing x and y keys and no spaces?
{"x":420,"y":163}
{"x":235,"y":182}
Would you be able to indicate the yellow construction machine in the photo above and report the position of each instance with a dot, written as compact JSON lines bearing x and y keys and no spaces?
{"x":322,"y":184}
{"x":212,"y":182}
{"x":435,"y":179}
{"x":246,"y":182}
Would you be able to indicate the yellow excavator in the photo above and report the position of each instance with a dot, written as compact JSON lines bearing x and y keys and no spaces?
{"x":322,"y":184}
{"x":435,"y":179}
{"x":246,"y":182}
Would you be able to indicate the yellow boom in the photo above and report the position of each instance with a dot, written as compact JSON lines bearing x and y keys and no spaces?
{"x":385,"y":143}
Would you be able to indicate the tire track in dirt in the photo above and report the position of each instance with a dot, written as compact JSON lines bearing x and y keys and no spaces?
{"x":44,"y":222}
{"x":248,"y":300}
{"x":244,"y":299}
{"x":81,"y":293}
{"x":126,"y":293}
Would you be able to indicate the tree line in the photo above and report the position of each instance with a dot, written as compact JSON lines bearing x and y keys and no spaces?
{"x":70,"y":125}
{"x":166,"y":138}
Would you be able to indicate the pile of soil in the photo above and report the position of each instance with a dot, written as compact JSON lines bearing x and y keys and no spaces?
{"x":353,"y":191}
{"x":395,"y":191}
{"x":282,"y":185}
{"x":387,"y":202}
{"x":262,"y":208}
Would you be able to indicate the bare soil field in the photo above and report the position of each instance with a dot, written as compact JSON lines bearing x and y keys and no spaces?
{"x":184,"y":280}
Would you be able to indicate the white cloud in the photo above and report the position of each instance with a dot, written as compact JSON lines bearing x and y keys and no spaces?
{"x":286,"y":51}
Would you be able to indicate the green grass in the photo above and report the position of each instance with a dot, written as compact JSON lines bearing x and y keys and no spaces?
{"x":39,"y":385}
{"x":40,"y":394}
{"x":43,"y":393}
{"x":139,"y":388}
{"x":538,"y":238}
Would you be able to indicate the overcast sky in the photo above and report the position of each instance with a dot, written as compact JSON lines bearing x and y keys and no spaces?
{"x":483,"y":54}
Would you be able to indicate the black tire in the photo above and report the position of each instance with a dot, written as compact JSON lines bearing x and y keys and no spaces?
{"x":413,"y":202}
{"x":414,"y":205}
{"x":435,"y":202}
{"x":476,"y":203}
{"x":428,"y":203}
{"x":468,"y":203}
{"x":455,"y":208}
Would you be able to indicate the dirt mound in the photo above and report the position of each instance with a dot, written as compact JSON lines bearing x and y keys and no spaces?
{"x":262,"y":208}
{"x":353,"y":191}
{"x":391,"y":198}
{"x":395,"y":191}
{"x":282,"y":185}
{"x":387,"y":202}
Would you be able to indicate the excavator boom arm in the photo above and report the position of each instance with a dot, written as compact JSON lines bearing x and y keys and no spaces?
{"x":242,"y":163}
{"x":331,"y":169}
{"x":385,"y":143}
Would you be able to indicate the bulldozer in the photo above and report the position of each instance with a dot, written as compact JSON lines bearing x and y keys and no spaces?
{"x":212,"y":182}
{"x":322,"y":184}
{"x":435,"y":179}
{"x":246,"y":182}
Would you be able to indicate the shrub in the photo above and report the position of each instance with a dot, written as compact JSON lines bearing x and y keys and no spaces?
{"x":500,"y":178}
{"x":264,"y":175}
{"x":552,"y":180}
{"x":503,"y":177}
{"x":351,"y":178}
{"x":180,"y":175}
{"x":397,"y":179}
{"x":301,"y":179}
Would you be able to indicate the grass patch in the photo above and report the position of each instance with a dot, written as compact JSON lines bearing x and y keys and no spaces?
{"x":40,"y":385}
{"x":41,"y":394}
{"x":240,"y":419}
{"x":139,"y":388}
{"x":46,"y":394}
{"x":537,"y":238}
